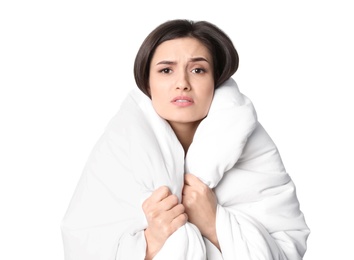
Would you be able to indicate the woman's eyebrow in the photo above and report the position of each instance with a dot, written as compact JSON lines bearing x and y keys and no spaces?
{"x":195,"y":59}
{"x":198,"y":59}
{"x":166,"y":62}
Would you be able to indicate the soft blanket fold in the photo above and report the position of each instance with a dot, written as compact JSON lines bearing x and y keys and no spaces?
{"x":258,"y":215}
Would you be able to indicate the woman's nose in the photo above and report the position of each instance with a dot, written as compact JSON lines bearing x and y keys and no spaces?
{"x":183,"y":82}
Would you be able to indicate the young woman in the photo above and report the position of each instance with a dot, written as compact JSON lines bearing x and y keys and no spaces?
{"x":185,"y":170}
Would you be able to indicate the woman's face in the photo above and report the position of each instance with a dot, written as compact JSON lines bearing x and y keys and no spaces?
{"x":181,"y":81}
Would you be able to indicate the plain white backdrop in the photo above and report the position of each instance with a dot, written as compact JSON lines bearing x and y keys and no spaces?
{"x":65,"y":66}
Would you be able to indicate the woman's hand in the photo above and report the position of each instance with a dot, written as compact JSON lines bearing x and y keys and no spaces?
{"x":164,"y":216}
{"x":200,"y":205}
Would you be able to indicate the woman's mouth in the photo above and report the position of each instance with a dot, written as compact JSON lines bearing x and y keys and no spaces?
{"x":182,"y":101}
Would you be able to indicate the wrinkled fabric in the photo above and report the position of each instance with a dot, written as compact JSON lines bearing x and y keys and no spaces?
{"x":258,"y":214}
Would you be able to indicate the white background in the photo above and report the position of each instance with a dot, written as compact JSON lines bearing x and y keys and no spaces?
{"x":66,"y":65}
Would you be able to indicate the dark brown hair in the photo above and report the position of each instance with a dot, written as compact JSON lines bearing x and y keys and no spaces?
{"x":225,"y":56}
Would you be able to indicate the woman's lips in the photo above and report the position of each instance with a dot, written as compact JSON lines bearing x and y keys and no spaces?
{"x":182,"y":101}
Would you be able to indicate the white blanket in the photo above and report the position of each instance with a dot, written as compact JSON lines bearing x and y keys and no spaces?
{"x":258,"y":215}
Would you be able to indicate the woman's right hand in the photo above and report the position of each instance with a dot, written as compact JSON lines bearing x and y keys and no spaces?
{"x":164,"y":216}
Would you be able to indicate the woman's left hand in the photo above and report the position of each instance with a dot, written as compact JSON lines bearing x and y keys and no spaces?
{"x":200,"y":205}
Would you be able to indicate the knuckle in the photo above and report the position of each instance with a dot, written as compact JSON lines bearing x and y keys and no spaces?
{"x":187,"y":203}
{"x":193,"y":195}
{"x":151,"y":215}
{"x":165,"y":189}
{"x":181,"y":220}
{"x":204,"y":189}
{"x":166,"y":229}
{"x":184,"y":218}
{"x":174,"y":199}
{"x":145,"y":206}
{"x":160,"y":222}
{"x":181,"y":206}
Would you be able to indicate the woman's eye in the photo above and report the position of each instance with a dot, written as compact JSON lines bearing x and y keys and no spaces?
{"x":198,"y":70}
{"x":165,"y":70}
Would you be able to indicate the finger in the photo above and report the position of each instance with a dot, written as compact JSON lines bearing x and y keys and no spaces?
{"x":179,"y":221}
{"x":160,"y":193}
{"x":188,"y":197}
{"x":175,"y":211}
{"x":186,"y":190}
{"x":191,"y":179}
{"x":169,"y":202}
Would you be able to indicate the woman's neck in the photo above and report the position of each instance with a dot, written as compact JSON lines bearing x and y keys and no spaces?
{"x":185,"y":133}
